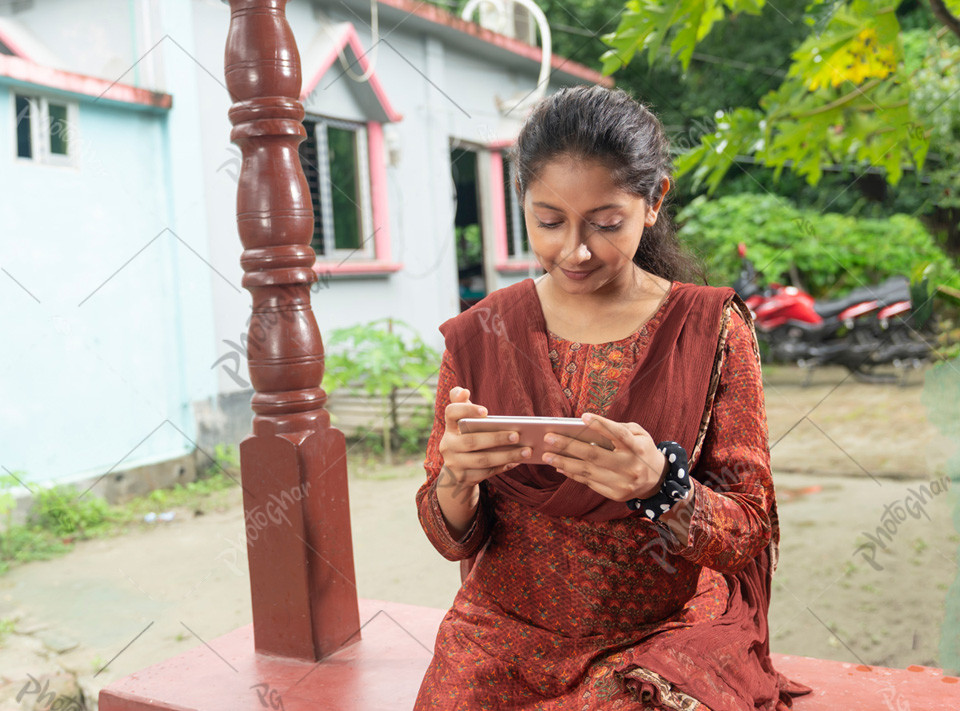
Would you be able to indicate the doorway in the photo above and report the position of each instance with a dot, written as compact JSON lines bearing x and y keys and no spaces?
{"x":468,"y":226}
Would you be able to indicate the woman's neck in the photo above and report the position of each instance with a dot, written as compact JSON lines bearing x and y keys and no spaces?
{"x":609,"y":314}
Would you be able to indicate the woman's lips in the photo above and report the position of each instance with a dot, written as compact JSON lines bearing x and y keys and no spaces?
{"x":577,"y":276}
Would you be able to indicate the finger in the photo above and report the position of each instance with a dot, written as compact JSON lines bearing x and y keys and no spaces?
{"x":618,"y":432}
{"x":573,"y":467}
{"x":571,"y":447}
{"x":456,"y":411}
{"x":476,"y":441}
{"x":486,"y":459}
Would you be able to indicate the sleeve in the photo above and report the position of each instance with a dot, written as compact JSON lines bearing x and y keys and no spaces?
{"x":428,"y":506}
{"x":730,"y":521}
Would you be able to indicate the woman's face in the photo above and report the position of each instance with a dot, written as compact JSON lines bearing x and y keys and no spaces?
{"x":583,"y":228}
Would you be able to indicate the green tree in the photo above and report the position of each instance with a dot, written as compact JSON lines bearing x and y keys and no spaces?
{"x":845,"y":97}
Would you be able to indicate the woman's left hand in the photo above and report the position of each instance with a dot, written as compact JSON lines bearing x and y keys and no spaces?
{"x":634,"y":469}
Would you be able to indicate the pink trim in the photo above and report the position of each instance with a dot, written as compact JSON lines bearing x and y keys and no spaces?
{"x":518,"y":266}
{"x":858,"y":310}
{"x":432,"y":13}
{"x":14,"y":47}
{"x":349,"y":38}
{"x":27,"y":72}
{"x":500,"y":144}
{"x":372,"y":268}
{"x":894,"y":309}
{"x":378,"y":191}
{"x":499,"y":204}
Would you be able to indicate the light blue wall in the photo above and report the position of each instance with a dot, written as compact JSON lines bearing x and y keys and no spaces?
{"x":142,"y":231}
{"x":105,"y":355}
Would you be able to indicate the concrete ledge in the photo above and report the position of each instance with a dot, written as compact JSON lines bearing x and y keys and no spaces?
{"x":382,"y":671}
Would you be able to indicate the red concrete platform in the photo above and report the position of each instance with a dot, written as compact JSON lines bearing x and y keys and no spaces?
{"x":383,"y":670}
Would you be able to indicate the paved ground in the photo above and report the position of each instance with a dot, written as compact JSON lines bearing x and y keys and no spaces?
{"x":848,"y":458}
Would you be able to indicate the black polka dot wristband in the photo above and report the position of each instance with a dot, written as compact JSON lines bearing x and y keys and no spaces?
{"x":675,"y":485}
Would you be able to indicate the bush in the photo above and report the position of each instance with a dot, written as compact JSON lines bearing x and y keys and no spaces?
{"x":62,"y":511}
{"x":828,"y":254}
{"x":380,"y":358}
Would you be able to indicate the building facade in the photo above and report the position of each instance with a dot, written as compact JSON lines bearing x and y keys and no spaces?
{"x":121,"y":275}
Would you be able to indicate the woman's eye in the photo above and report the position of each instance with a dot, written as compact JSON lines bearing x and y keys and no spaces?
{"x":607,"y":228}
{"x":547,"y":225}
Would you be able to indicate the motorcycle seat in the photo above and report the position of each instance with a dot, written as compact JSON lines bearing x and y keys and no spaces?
{"x":894,"y":289}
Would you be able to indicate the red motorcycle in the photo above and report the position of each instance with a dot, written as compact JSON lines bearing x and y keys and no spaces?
{"x":868,"y":328}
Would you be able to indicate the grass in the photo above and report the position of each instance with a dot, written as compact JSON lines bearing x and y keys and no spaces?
{"x":59,"y":517}
{"x":6,"y":628}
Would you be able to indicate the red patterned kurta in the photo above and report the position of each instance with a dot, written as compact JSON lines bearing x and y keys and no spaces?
{"x":554,"y":605}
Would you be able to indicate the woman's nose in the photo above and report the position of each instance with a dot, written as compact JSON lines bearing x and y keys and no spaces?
{"x":579,"y":253}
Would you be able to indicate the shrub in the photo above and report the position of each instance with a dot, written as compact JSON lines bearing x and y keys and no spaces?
{"x":824,"y":253}
{"x":380,"y":358}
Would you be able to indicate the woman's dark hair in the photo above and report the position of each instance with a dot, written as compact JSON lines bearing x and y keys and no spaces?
{"x":594,"y":123}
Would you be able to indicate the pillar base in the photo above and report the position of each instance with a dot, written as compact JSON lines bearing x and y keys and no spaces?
{"x":382,"y":670}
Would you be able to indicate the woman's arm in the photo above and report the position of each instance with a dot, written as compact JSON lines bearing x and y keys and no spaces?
{"x":725,"y":521}
{"x":464,"y":529}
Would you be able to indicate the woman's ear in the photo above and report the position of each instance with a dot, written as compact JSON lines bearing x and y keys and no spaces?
{"x":652,"y":212}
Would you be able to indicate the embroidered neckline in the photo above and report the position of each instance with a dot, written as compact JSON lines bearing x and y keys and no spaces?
{"x":644,"y":328}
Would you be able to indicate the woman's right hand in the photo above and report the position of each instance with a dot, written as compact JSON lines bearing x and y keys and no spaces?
{"x":465,"y":462}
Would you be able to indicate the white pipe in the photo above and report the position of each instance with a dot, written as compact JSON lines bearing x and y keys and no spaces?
{"x":546,"y":40}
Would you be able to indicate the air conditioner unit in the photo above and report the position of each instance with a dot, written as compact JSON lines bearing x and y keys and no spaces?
{"x":514,"y":20}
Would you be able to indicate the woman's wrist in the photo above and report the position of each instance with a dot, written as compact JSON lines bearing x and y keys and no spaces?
{"x":458,"y":504}
{"x":654,"y":488}
{"x":675,"y":484}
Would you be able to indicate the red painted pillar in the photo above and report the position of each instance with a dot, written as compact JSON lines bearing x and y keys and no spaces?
{"x":294,"y":464}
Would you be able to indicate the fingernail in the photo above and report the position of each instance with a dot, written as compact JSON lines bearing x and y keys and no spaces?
{"x":526,"y":452}
{"x":483,"y":412}
{"x":548,"y":458}
{"x":587,"y":417}
{"x":550,"y":439}
{"x":514,"y":437}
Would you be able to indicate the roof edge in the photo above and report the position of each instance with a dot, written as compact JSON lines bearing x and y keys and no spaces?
{"x":349,"y":38}
{"x":22,"y":71}
{"x":439,"y":16}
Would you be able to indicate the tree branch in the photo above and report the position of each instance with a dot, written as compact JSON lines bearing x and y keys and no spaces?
{"x":941,"y":12}
{"x":845,"y":99}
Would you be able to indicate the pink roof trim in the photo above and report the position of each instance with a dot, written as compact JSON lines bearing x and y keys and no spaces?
{"x":349,"y":38}
{"x":25,"y":71}
{"x":13,"y":45}
{"x":442,"y":17}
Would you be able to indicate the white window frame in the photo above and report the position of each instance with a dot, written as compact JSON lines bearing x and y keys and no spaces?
{"x":367,"y":248}
{"x":40,"y":130}
{"x":513,"y":212}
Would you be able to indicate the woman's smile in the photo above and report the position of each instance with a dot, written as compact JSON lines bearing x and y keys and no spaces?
{"x":577,"y":275}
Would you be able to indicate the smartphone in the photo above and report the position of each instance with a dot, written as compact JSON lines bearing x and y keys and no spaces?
{"x":532,"y":431}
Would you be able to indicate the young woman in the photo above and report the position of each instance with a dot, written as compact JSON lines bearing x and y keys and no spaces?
{"x":632,"y":578}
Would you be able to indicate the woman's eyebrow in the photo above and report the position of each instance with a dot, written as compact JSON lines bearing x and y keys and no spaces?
{"x":548,"y":206}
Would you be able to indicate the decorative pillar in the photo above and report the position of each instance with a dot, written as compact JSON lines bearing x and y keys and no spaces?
{"x":293,"y":465}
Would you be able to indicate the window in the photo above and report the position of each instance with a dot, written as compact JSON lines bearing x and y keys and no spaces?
{"x":517,"y":245}
{"x":44,"y":129}
{"x":334,"y":159}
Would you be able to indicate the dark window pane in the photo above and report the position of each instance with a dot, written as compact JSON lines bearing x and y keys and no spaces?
{"x":308,"y":159}
{"x":344,"y":183}
{"x":58,"y":129}
{"x":24,"y":119}
{"x":515,"y":222}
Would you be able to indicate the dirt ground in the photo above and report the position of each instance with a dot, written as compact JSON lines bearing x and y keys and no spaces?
{"x":849,"y":460}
